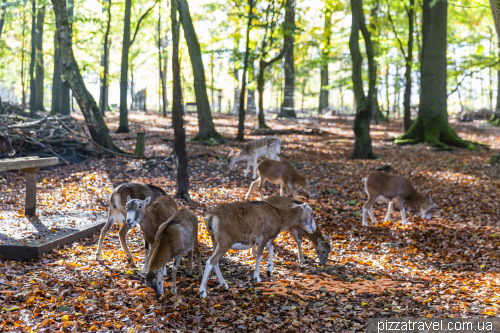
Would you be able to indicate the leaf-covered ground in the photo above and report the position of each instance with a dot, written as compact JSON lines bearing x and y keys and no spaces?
{"x":444,"y":267}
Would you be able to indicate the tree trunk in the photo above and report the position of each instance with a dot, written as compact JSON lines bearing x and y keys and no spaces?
{"x":495,"y":12}
{"x":177,"y":111}
{"x":409,"y":61}
{"x":236,"y":106}
{"x":65,"y":98}
{"x":260,"y":89}
{"x":161,"y":50}
{"x":241,"y":116}
{"x":287,"y":108}
{"x":206,"y":129}
{"x":93,"y":117}
{"x":33,"y":60}
{"x":23,"y":97}
{"x":263,"y":65}
{"x":39,"y":60}
{"x":323,"y":94}
{"x":2,"y":19}
{"x":123,"y":128}
{"x":364,"y":104}
{"x":56,"y":80}
{"x":103,"y":93}
{"x":431,"y":125}
{"x":497,"y":110}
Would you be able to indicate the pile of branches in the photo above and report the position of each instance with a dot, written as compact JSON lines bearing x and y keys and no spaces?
{"x":46,"y":136}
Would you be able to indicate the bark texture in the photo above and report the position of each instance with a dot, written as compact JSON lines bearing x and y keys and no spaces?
{"x":287,"y":108}
{"x":93,"y":117}
{"x":241,"y":114}
{"x":408,"y":63}
{"x":206,"y":129}
{"x":40,"y":18}
{"x":123,"y":128}
{"x":364,"y":104}
{"x":431,"y":125}
{"x":177,"y":111}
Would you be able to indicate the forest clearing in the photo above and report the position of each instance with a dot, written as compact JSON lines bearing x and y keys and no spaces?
{"x":445,"y":267}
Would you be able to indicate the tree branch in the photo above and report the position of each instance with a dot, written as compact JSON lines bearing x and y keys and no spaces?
{"x":470,"y":74}
{"x":394,"y":30}
{"x":140,"y":20}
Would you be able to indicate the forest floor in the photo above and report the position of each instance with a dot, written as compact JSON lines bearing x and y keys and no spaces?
{"x":445,"y":267}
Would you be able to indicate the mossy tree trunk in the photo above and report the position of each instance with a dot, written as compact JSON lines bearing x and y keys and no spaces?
{"x":177,"y":111}
{"x":206,"y":128}
{"x":364,"y":104}
{"x":93,"y":117}
{"x":431,"y":125}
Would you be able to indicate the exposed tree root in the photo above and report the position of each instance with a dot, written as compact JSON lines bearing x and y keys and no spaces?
{"x":213,"y":138}
{"x":435,"y":133}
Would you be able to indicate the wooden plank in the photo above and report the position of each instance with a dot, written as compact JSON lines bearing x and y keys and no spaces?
{"x":26,"y":163}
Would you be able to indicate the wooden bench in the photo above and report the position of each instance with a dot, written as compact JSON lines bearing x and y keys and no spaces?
{"x":31,"y":166}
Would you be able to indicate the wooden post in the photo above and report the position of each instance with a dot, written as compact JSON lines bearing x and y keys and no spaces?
{"x":30,"y":204}
{"x":140,"y":146}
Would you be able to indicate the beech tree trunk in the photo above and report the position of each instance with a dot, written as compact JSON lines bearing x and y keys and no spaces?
{"x":323,"y":94}
{"x":287,"y":108}
{"x":206,"y":129}
{"x":93,"y":117}
{"x":39,"y":60}
{"x":263,"y":65}
{"x":364,"y":104}
{"x":178,"y":112}
{"x":123,"y":128}
{"x":241,"y":116}
{"x":33,"y":59}
{"x":431,"y":125}
{"x":162,"y":59}
{"x":236,"y":106}
{"x":60,"y":89}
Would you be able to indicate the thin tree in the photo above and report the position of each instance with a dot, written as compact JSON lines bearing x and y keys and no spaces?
{"x":325,"y":52}
{"x":93,"y":117}
{"x":287,"y":108}
{"x":103,"y":93}
{"x":241,"y":113}
{"x":33,"y":59}
{"x":178,"y":111}
{"x":162,"y":59}
{"x":495,"y":11}
{"x":267,"y":44}
{"x":40,"y":17}
{"x":410,"y":13}
{"x":2,"y":21}
{"x":364,"y":103}
{"x":431,"y":125}
{"x":206,"y":128}
{"x":127,"y":43}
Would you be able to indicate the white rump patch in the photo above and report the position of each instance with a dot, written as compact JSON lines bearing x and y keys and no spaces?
{"x":239,"y":246}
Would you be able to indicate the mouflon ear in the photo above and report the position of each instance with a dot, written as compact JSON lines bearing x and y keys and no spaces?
{"x":128,"y":198}
{"x":231,"y":152}
{"x":148,"y":200}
